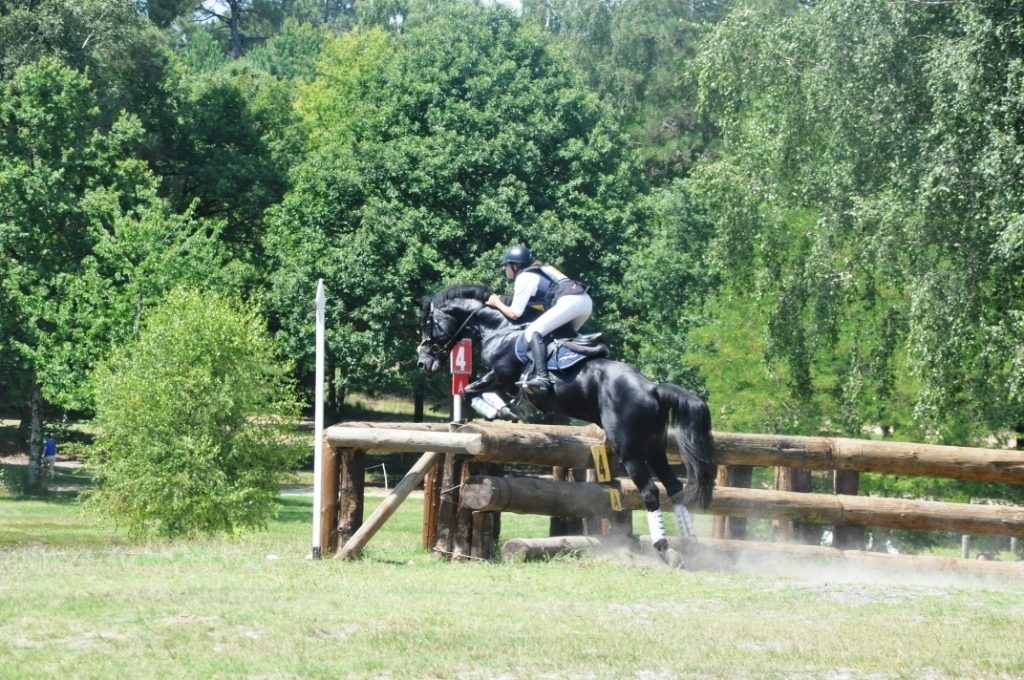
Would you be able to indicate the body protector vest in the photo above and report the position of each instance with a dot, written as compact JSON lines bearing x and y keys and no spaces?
{"x":553,"y":285}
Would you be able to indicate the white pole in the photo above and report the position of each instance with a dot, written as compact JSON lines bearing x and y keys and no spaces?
{"x":318,"y":419}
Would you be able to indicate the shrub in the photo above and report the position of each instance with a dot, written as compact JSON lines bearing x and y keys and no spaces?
{"x":193,"y":418}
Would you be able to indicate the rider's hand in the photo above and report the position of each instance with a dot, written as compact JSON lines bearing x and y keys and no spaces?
{"x":494,"y":301}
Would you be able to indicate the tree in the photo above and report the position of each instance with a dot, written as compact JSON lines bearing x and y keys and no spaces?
{"x":636,"y":55}
{"x":660,"y":299}
{"x":430,"y":150}
{"x":193,"y":418}
{"x":125,"y":59}
{"x":241,"y":25}
{"x":865,"y":191}
{"x":225,"y":155}
{"x":292,"y":53}
{"x":85,"y":241}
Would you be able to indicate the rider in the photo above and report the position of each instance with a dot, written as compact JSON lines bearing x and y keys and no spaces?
{"x":544,"y":288}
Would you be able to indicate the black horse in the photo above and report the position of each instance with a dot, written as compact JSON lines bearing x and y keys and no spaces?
{"x":633,"y":411}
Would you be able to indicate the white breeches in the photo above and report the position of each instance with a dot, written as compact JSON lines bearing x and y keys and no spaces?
{"x":574,"y":309}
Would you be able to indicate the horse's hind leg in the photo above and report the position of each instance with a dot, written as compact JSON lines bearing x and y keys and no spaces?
{"x":641,"y":476}
{"x":674,"y":488}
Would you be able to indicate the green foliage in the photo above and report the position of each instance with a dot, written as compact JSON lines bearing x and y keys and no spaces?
{"x":429,"y":151}
{"x":192,"y":416}
{"x":226,"y":155}
{"x":85,"y":239}
{"x":863,"y":193}
{"x":659,"y":300}
{"x":108,"y":40}
{"x":292,"y":53}
{"x":636,"y":56}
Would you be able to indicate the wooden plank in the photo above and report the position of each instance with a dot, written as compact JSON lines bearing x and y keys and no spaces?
{"x":718,"y":527}
{"x":902,"y":458}
{"x":448,"y":504}
{"x":740,"y":476}
{"x":431,"y":503}
{"x":535,"y":496}
{"x":847,"y":536}
{"x":486,"y":525}
{"x":462,"y":546}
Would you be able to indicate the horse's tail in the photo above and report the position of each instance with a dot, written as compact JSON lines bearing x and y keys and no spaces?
{"x":692,"y":420}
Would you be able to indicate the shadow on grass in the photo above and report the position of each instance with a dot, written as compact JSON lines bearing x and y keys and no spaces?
{"x":13,"y":479}
{"x":294,"y":510}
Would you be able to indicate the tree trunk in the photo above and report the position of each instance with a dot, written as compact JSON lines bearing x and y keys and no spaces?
{"x":236,"y":35}
{"x":35,"y":437}
{"x":418,"y":399}
{"x":335,"y":393}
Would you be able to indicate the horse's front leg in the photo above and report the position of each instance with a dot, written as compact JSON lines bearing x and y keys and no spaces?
{"x":487,"y":383}
{"x":485,"y":401}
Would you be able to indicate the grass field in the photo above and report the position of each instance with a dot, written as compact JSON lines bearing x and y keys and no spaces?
{"x":79,"y":600}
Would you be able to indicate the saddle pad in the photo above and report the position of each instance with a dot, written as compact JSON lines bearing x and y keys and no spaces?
{"x":558,"y":360}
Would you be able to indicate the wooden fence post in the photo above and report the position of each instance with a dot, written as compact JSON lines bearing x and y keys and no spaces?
{"x":738,"y":476}
{"x":558,"y":526}
{"x":448,"y":504}
{"x":431,"y":503}
{"x":847,"y":536}
{"x":329,"y":476}
{"x":351,"y":496}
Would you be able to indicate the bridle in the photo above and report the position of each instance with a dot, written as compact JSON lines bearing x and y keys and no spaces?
{"x":441,"y":350}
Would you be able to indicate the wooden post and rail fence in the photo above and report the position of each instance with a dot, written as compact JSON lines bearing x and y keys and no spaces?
{"x":465,"y":490}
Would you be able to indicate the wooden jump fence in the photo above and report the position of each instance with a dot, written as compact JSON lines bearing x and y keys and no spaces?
{"x":465,"y":490}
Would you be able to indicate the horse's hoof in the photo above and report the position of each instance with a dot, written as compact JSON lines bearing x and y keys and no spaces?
{"x":673,"y":559}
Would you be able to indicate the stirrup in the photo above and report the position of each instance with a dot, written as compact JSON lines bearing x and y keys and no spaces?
{"x":538,"y":384}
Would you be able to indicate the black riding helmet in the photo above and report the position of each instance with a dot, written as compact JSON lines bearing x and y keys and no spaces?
{"x":517,"y":255}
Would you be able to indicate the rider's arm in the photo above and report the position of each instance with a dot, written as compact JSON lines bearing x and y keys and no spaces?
{"x":526,"y":286}
{"x":499,"y":304}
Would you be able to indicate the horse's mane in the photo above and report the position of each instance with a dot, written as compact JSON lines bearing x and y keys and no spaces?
{"x":461,"y":291}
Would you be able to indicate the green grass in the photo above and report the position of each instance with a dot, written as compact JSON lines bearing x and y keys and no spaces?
{"x":80,"y":600}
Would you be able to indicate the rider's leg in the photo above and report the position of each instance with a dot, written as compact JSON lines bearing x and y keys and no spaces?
{"x":574,"y":309}
{"x":541,"y":379}
{"x":582,"y":306}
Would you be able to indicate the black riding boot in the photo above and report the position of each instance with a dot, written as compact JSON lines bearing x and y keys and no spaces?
{"x":540,"y":381}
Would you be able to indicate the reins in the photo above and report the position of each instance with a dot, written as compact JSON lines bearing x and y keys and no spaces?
{"x":452,"y":338}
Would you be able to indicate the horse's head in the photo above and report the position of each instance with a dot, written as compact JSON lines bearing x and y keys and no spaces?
{"x":444,"y":320}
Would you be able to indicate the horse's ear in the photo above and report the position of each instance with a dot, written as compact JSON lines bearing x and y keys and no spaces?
{"x":425,"y":302}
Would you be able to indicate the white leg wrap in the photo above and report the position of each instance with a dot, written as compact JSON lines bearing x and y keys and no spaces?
{"x":684,"y":520}
{"x":656,"y":525}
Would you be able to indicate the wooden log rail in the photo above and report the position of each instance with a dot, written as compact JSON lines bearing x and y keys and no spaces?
{"x":534,"y":496}
{"x":862,"y":455}
{"x":570,"y":447}
{"x":550,"y":445}
{"x":545,"y":446}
